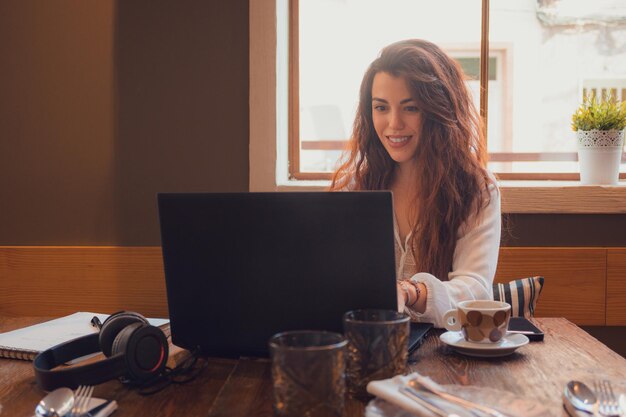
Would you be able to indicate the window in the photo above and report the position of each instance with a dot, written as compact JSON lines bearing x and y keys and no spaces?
{"x":543,"y":56}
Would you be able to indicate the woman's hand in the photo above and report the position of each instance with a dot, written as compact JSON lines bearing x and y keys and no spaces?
{"x":411,"y":295}
{"x":402,"y":297}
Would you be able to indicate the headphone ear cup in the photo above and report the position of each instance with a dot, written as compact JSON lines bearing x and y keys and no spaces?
{"x":113,"y":325}
{"x":121,"y":340}
{"x":145,"y":351}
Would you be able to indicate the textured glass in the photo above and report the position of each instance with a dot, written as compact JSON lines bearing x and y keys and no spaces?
{"x":378,"y":342}
{"x":308,"y":374}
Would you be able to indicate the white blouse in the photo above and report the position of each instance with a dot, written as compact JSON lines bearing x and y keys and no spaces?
{"x":473,"y":265}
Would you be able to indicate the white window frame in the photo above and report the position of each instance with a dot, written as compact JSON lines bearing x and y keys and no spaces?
{"x":269,"y":66}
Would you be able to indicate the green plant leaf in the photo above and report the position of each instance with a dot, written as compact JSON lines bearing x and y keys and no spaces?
{"x":605,"y":114}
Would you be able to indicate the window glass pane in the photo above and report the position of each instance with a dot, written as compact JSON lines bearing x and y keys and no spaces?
{"x":339,"y":39}
{"x":471,"y":67}
{"x":553,"y":50}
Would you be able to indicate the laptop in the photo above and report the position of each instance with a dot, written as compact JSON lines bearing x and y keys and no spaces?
{"x":241,"y":267}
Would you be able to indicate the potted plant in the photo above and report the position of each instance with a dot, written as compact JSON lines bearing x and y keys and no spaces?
{"x":599,"y":127}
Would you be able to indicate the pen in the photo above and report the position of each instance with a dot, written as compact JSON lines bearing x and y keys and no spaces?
{"x":95,"y":322}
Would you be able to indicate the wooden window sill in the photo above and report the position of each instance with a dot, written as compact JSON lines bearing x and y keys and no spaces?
{"x":534,"y":197}
{"x":562,"y":197}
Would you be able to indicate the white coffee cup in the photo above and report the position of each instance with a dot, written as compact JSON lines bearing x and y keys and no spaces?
{"x":480,"y":321}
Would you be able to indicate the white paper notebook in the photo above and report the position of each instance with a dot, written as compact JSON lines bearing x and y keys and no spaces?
{"x":27,"y":342}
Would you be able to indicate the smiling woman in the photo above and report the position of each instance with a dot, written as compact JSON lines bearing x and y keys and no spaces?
{"x":418,"y":134}
{"x":396,"y":118}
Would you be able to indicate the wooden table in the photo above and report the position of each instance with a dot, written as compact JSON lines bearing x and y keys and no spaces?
{"x":242,"y":387}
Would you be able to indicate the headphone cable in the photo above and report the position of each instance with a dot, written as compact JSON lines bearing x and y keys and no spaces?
{"x":183,"y":373}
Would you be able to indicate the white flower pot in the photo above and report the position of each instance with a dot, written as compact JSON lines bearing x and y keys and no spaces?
{"x":599,"y":156}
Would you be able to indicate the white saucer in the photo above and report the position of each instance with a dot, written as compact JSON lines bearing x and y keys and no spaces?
{"x":504,"y":347}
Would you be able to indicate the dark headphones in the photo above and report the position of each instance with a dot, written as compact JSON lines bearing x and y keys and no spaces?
{"x":135,"y":351}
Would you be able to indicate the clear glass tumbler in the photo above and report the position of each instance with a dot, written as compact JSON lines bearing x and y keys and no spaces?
{"x":378,"y":347}
{"x":308,"y":373}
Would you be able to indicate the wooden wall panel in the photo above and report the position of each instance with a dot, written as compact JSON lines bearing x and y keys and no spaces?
{"x":50,"y":281}
{"x":616,"y":287}
{"x":54,"y":281}
{"x":575,"y":280}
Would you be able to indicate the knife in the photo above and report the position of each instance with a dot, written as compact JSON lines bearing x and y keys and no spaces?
{"x":98,"y":408}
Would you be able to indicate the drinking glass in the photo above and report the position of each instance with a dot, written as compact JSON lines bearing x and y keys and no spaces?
{"x":308,"y":373}
{"x":378,"y":347}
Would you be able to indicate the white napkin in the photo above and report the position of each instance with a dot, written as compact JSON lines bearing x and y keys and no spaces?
{"x":389,"y":390}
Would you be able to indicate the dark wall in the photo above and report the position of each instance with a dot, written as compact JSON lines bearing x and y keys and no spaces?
{"x":103,"y":104}
{"x":56,"y":122}
{"x":182,"y":100}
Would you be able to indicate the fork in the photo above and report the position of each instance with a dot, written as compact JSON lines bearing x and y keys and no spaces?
{"x":607,"y":402}
{"x":82,"y":395}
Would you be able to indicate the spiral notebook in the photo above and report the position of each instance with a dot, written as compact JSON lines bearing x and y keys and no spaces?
{"x":27,"y":342}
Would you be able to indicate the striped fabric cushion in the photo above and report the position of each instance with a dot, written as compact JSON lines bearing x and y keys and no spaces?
{"x":522,"y":294}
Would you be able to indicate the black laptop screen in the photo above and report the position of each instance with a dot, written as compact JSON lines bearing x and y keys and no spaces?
{"x":240,"y":267}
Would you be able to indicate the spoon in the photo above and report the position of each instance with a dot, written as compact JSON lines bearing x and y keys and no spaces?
{"x":580,"y":396}
{"x":56,"y":404}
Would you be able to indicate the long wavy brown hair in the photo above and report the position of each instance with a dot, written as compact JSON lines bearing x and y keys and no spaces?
{"x":452,"y":182}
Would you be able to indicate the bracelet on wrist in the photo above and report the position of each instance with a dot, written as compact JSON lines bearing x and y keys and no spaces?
{"x":418,"y":293}
{"x":405,"y":287}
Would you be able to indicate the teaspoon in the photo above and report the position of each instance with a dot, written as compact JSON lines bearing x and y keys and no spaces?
{"x":580,"y":396}
{"x":56,"y":404}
